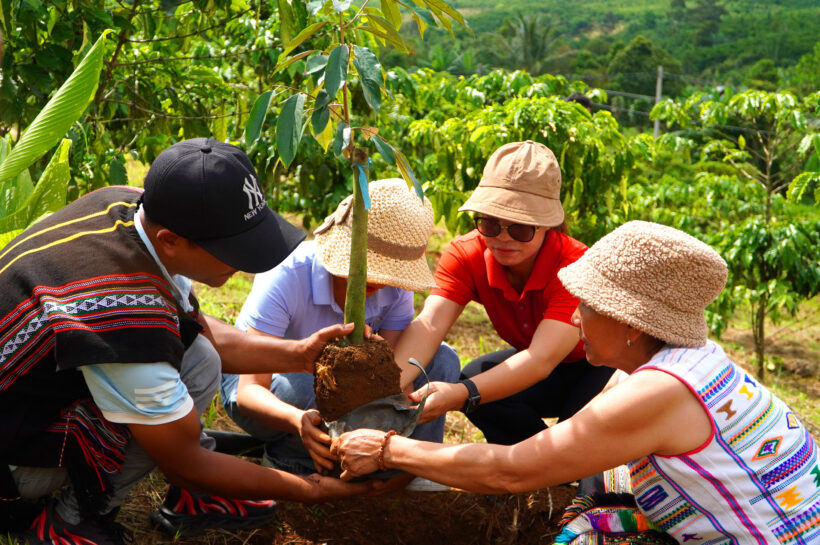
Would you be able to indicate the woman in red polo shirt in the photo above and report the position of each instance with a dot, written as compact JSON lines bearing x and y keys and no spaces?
{"x":509,"y":264}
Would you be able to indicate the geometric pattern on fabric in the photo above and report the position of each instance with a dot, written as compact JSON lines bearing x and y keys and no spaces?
{"x":608,"y":519}
{"x":768,"y":448}
{"x":94,"y":305}
{"x":751,"y":482}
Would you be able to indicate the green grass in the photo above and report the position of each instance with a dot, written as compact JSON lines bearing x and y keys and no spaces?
{"x":225,"y":302}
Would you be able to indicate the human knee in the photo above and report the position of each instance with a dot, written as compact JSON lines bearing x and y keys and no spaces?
{"x":444,"y":367}
{"x":295,"y":389}
{"x":34,"y":483}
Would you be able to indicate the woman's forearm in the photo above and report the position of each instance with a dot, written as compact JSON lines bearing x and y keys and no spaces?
{"x":551,"y":343}
{"x":478,"y":467}
{"x":422,"y":338}
{"x":417,"y":341}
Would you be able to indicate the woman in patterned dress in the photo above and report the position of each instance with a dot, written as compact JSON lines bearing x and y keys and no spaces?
{"x":713,"y":456}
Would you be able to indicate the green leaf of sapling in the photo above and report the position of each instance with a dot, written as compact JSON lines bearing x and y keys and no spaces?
{"x":289,"y":128}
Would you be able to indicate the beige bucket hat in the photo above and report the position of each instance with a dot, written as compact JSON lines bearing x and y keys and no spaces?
{"x":398,"y":229}
{"x":653,"y":277}
{"x":521,"y":184}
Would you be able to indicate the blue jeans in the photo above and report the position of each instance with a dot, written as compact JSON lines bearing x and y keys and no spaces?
{"x":285,"y":449}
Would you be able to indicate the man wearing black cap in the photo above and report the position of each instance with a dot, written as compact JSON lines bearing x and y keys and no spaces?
{"x":106,"y":361}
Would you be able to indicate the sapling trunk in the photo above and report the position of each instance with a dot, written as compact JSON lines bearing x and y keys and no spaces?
{"x":357,"y":275}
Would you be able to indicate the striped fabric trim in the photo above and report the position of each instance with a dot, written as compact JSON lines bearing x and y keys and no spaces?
{"x":74,"y":236}
{"x":692,"y":501}
{"x":99,"y":304}
{"x":737,"y":509}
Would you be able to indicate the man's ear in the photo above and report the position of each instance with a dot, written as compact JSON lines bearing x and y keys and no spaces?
{"x":170,"y":243}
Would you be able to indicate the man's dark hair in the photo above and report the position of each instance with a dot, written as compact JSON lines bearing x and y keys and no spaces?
{"x":581,"y":99}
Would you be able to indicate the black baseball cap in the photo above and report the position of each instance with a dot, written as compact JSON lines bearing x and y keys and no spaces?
{"x":208,"y":192}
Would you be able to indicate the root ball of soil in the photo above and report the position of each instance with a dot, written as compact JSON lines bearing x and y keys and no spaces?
{"x":349,"y":376}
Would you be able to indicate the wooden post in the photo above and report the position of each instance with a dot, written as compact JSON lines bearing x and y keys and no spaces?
{"x":658,"y":90}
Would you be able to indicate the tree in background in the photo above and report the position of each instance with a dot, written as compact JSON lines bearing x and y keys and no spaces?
{"x":804,"y":77}
{"x":763,"y":75}
{"x":529,"y":43}
{"x":454,"y":60}
{"x":677,"y":12}
{"x":634,"y":68}
{"x":706,"y":14}
{"x":766,"y":142}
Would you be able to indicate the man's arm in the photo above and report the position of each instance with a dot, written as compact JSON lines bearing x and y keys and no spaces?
{"x":175,"y":448}
{"x":552,"y":341}
{"x":423,"y":336}
{"x":243,"y":353}
{"x":255,"y":399}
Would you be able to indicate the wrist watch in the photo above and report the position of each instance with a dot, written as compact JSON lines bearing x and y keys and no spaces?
{"x":473,"y":397}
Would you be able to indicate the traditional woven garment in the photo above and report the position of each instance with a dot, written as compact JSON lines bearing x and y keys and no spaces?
{"x":77,"y":288}
{"x":609,"y":516}
{"x":608,"y":519}
{"x":757,"y":478}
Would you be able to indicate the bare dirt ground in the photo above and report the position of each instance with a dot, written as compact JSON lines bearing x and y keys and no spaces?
{"x":455,"y":517}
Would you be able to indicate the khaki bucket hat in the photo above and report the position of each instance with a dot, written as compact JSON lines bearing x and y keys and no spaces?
{"x":398,"y":229}
{"x":521,"y":184}
{"x":653,"y":277}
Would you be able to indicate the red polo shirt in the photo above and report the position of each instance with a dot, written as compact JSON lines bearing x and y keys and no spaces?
{"x":467,"y":271}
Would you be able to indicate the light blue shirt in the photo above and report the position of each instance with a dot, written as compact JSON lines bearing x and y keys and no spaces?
{"x":295,"y":299}
{"x":142,"y":393}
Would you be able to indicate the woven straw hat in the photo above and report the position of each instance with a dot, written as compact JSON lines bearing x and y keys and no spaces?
{"x":398,"y":229}
{"x":653,"y":277}
{"x":521,"y":184}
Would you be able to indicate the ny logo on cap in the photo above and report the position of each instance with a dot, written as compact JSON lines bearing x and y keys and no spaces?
{"x":255,"y":196}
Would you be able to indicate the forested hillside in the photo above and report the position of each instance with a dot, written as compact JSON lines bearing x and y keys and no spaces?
{"x":746,"y":43}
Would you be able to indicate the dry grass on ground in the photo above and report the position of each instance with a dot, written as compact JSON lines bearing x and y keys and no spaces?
{"x":454,"y":517}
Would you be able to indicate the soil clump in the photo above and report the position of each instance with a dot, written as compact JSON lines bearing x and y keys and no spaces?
{"x":349,"y":376}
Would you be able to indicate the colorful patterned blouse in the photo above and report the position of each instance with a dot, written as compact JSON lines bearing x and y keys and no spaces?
{"x":755,"y":481}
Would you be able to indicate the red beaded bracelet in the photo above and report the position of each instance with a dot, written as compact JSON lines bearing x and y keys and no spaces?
{"x":380,"y":456}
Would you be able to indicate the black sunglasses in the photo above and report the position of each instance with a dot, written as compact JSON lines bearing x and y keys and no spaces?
{"x":490,"y":227}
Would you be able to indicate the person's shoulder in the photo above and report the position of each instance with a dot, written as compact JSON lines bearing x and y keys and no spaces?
{"x":570,"y":248}
{"x":111,"y":192}
{"x":467,"y":244}
{"x":302,"y":257}
{"x":392,"y":293}
{"x":709,"y":351}
{"x":287,"y":277}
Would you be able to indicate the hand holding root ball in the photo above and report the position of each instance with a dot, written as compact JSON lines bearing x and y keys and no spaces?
{"x":360,"y":451}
